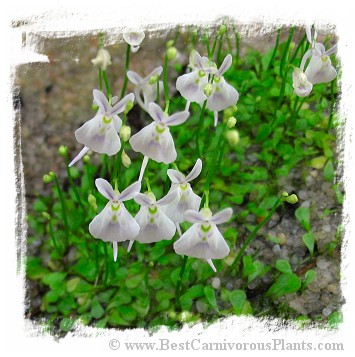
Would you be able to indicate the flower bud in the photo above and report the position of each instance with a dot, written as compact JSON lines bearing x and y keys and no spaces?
{"x":86,"y":159}
{"x":47,"y":178}
{"x":227,"y":113}
{"x":154,"y":79}
{"x":125,"y":133}
{"x":129,"y":106}
{"x":231,"y":122}
{"x":170,"y":43}
{"x":208,"y":89}
{"x":46,"y":215}
{"x":74,"y":172}
{"x":102,"y":60}
{"x":94,"y":107}
{"x":284,"y":194}
{"x":222,"y":30}
{"x":51,"y":174}
{"x":232,"y":137}
{"x":126,"y":161}
{"x":171,"y":53}
{"x":292,"y":199}
{"x":92,"y":200}
{"x":63,"y":150}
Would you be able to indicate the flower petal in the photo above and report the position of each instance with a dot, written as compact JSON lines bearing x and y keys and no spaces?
{"x":156,"y":71}
{"x":79,"y":156}
{"x":196,"y":170}
{"x":227,"y":62}
{"x":134,"y":38}
{"x":114,"y":226}
{"x":191,"y":86}
{"x":167,"y":148}
{"x":145,"y":143}
{"x":218,"y":248}
{"x":193,"y":216}
{"x":121,"y":105}
{"x":223,"y":96}
{"x":177,"y":118}
{"x":99,"y":136}
{"x":105,"y":189}
{"x":143,"y":200}
{"x":320,"y":71}
{"x":130,"y":192}
{"x":167,"y":199}
{"x":222,"y":216}
{"x":175,"y":176}
{"x":154,"y":227}
{"x":134,"y":77}
{"x":185,"y":244}
{"x":101,"y":101}
{"x":156,"y":112}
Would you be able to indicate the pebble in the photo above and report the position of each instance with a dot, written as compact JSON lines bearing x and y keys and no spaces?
{"x":216,"y":283}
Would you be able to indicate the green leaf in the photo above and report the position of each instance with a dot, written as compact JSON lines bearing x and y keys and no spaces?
{"x":303,"y":216}
{"x":115,"y":319}
{"x":285,"y":284}
{"x":211,"y":296}
{"x":127,"y":313}
{"x":308,"y":240}
{"x":97,"y":310}
{"x":66,"y":324}
{"x":54,"y":280}
{"x":263,"y":132}
{"x":328,"y":171}
{"x":134,"y":281}
{"x":283,"y":266}
{"x":237,"y":299}
{"x":309,"y":277}
{"x":72,"y":284}
{"x":40,"y":206}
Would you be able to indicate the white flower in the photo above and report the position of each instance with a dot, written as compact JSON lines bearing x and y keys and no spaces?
{"x":114,"y":223}
{"x":145,"y":87}
{"x":319,"y":68}
{"x":134,"y":39}
{"x":100,"y":134}
{"x":302,"y":86}
{"x":155,"y":140}
{"x":153,"y":222}
{"x":185,"y":199}
{"x":203,"y":239}
{"x":205,"y":73}
{"x":102,"y":60}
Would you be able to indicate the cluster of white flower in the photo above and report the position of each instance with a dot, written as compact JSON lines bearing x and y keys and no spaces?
{"x":319,"y":69}
{"x":157,"y":219}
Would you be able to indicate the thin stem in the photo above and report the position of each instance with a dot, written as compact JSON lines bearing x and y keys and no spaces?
{"x":106,"y":264}
{"x":107,"y":85}
{"x":237,"y":48}
{"x":298,"y":48}
{"x":100,"y":79}
{"x":254,"y":232}
{"x":61,"y":198}
{"x":206,"y":39}
{"x":158,"y":93}
{"x":128,"y":52}
{"x":72,"y":184}
{"x":165,"y":82}
{"x":200,"y":125}
{"x":285,"y":53}
{"x":330,"y":121}
{"x":51,"y":234}
{"x":214,"y":161}
{"x":179,"y":281}
{"x":275,"y":49}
